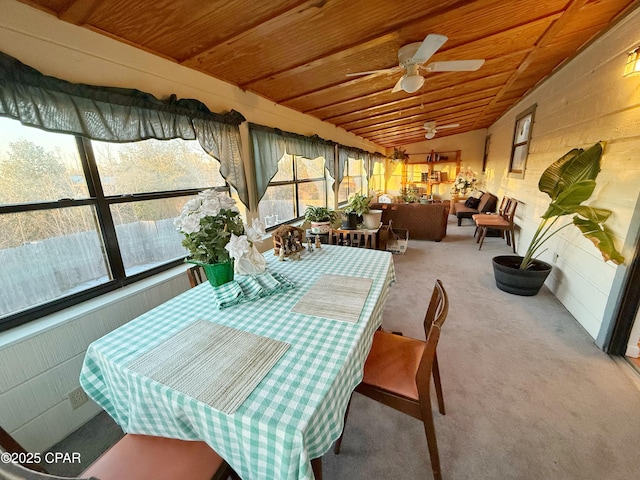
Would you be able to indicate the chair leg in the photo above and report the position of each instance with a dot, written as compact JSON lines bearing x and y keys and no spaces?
{"x":513,"y":240}
{"x":436,"y":381}
{"x":336,"y":447}
{"x":432,"y":442}
{"x":483,"y":233}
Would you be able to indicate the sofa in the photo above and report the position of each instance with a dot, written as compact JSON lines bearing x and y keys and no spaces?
{"x":487,"y":203}
{"x":423,"y":221}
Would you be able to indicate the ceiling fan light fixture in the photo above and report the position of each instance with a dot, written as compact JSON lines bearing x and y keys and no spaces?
{"x":430,"y":134}
{"x":412,"y":83}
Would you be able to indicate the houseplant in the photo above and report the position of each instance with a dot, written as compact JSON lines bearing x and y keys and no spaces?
{"x":358,"y":211}
{"x":320,"y":218}
{"x":217,"y":238}
{"x":399,"y":155}
{"x":568,"y":181}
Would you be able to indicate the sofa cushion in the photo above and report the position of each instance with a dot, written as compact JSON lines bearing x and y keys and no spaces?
{"x":472,"y":202}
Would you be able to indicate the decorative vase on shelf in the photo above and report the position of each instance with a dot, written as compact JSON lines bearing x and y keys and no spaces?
{"x":217,"y":273}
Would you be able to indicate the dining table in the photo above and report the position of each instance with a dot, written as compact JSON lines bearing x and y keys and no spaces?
{"x":264,"y":377}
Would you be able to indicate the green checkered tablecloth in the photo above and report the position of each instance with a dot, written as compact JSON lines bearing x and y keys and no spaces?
{"x":296,"y":412}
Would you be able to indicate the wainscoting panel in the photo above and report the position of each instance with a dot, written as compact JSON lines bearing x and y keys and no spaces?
{"x":43,"y":366}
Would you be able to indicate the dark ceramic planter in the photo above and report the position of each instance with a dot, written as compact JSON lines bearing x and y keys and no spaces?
{"x":510,"y":279}
{"x":349,"y":221}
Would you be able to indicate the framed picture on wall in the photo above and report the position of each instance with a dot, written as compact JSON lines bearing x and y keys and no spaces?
{"x":521,"y":139}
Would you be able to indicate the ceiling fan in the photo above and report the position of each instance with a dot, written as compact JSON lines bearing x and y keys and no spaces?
{"x":411,"y":58}
{"x":431,"y":128}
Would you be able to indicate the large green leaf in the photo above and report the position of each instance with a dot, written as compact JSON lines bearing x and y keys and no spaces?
{"x":600,"y":238}
{"x":570,"y":199}
{"x":598,"y":215}
{"x":573,"y":167}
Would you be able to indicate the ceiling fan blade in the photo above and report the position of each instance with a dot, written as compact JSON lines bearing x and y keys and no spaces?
{"x":451,"y":125}
{"x":384,"y":70}
{"x":429,"y":46}
{"x":455,"y":66}
{"x":398,"y":85}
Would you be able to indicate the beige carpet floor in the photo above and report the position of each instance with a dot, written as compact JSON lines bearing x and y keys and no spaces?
{"x":528,"y":394}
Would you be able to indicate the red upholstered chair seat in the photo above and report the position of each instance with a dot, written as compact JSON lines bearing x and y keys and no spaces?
{"x":393,"y":362}
{"x":141,"y":457}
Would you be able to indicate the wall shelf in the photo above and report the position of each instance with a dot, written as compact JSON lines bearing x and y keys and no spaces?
{"x":435,"y":168}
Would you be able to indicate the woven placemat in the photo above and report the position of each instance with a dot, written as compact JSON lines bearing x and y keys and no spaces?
{"x":213,"y":363}
{"x":338,"y":297}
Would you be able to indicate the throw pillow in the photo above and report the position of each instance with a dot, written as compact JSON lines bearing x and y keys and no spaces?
{"x":472,"y":202}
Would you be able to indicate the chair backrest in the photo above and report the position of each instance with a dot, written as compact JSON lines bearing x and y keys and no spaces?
{"x":196,"y":275}
{"x":504,"y":205}
{"x":510,"y":212}
{"x":433,"y":321}
{"x":10,"y":445}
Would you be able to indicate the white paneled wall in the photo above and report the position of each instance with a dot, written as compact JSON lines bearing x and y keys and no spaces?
{"x":585,"y":101}
{"x":41,"y":361}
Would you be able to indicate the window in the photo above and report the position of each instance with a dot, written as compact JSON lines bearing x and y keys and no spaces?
{"x":299,"y":182}
{"x":354,"y":179}
{"x":521,"y":138}
{"x":83,"y":217}
{"x":376,"y":181}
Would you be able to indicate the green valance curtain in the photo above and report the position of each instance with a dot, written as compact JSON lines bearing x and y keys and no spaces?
{"x":120,"y":115}
{"x":368,"y":159}
{"x":270,"y":144}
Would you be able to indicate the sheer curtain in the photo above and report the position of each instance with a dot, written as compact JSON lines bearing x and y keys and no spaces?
{"x":120,"y":115}
{"x":270,"y":144}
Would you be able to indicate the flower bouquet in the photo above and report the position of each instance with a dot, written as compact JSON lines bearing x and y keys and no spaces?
{"x":464,"y":182}
{"x":215,"y":234}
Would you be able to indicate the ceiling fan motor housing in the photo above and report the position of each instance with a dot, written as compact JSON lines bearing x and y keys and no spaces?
{"x":406,"y":53}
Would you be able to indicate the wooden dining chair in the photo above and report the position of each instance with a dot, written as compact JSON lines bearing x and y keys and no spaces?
{"x":502,"y":209}
{"x":9,"y":444}
{"x":196,"y":275}
{"x":398,"y":372}
{"x":136,"y":457}
{"x":503,"y":223}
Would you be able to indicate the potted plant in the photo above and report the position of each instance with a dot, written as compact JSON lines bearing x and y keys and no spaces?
{"x":320,"y":218}
{"x":569,"y":181}
{"x":358,"y":211}
{"x":217,"y":238}
{"x":399,"y":155}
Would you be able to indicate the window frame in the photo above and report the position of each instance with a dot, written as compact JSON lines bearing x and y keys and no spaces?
{"x":364,"y":177}
{"x":517,"y":171}
{"x":295,"y":181}
{"x":102,"y":203}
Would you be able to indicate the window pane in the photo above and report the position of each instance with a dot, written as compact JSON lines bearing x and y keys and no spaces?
{"x":306,"y":168}
{"x":285,"y":169}
{"x":155,"y":166}
{"x":522,"y":129}
{"x":146,"y":234}
{"x":355,"y":167}
{"x":519,"y":158}
{"x":49,"y":254}
{"x":311,"y":193}
{"x":277,"y":205}
{"x":38,"y":166}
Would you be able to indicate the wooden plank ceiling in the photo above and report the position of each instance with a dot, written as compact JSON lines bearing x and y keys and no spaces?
{"x":297,"y":53}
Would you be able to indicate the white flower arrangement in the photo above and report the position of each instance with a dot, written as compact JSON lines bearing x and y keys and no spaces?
{"x":464,"y":182}
{"x":214,"y":231}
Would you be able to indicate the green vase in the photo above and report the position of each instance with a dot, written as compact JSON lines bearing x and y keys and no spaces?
{"x":217,"y":273}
